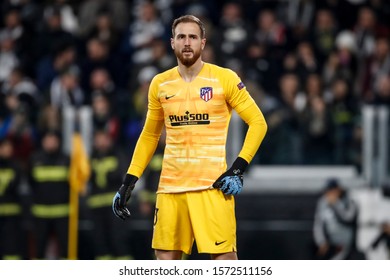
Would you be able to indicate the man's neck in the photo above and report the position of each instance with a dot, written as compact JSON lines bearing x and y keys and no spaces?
{"x":189,"y":73}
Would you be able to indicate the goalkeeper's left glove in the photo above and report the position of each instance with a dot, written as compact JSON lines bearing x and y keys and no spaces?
{"x":231,"y":182}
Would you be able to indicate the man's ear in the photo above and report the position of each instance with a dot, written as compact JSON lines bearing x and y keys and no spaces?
{"x":172,"y":45}
{"x":203,"y":43}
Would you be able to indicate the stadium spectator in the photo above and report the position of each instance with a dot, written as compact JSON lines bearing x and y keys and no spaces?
{"x":317,"y":130}
{"x":283,"y":111}
{"x":260,"y":67}
{"x":323,"y":34}
{"x":88,"y":10}
{"x":8,"y":56}
{"x":48,"y":180}
{"x":233,"y":33}
{"x":272,"y":33}
{"x":142,"y":31}
{"x":49,"y":67}
{"x":382,"y":91}
{"x":307,"y":61}
{"x":20,"y":129}
{"x":50,"y":33}
{"x":99,"y":55}
{"x":65,"y":90}
{"x":48,"y":119}
{"x":104,"y":117}
{"x":344,"y":112}
{"x":110,"y":240}
{"x":161,"y":58}
{"x":101,"y":82}
{"x":335,"y":223}
{"x":12,"y":244}
{"x":19,"y":32}
{"x":365,"y":32}
{"x":377,"y":65}
{"x":345,"y":45}
{"x":313,"y":86}
{"x":104,"y":30}
{"x":20,"y":85}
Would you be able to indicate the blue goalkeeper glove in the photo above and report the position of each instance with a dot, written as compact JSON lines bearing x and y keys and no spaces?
{"x":122,"y":197}
{"x":231,"y":182}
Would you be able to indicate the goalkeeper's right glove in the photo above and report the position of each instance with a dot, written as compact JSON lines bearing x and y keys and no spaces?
{"x":122,"y":197}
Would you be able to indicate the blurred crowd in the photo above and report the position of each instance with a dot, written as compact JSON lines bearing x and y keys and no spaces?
{"x":310,"y":65}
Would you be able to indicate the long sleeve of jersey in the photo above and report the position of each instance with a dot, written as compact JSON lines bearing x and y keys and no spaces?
{"x":146,"y":146}
{"x":257,"y":128}
{"x":241,"y":101}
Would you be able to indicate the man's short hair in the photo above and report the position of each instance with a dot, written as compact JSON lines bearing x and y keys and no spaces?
{"x":332,"y":184}
{"x":189,"y":18}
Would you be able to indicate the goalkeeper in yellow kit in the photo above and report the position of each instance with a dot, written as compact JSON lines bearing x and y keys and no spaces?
{"x":195,"y":197}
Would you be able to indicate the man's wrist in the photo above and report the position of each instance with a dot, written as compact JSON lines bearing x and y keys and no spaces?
{"x":239,"y":166}
{"x":129,"y":179}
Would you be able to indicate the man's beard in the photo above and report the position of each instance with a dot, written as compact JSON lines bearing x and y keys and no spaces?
{"x":187,"y":61}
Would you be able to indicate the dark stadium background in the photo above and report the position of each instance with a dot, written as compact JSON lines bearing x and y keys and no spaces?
{"x":318,"y":69}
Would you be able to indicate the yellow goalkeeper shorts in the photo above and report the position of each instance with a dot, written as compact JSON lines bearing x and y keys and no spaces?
{"x":207,"y":216}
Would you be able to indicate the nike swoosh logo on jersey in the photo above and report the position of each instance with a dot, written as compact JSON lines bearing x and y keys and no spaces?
{"x":219,"y":243}
{"x":167,"y":97}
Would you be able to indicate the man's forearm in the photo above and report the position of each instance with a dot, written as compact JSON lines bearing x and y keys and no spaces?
{"x":257,"y":128}
{"x":145,"y":147}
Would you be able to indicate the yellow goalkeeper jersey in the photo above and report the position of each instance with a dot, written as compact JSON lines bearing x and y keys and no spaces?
{"x":196,"y":115}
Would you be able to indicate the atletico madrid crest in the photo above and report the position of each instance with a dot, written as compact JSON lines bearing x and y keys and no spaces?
{"x":206,"y":93}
